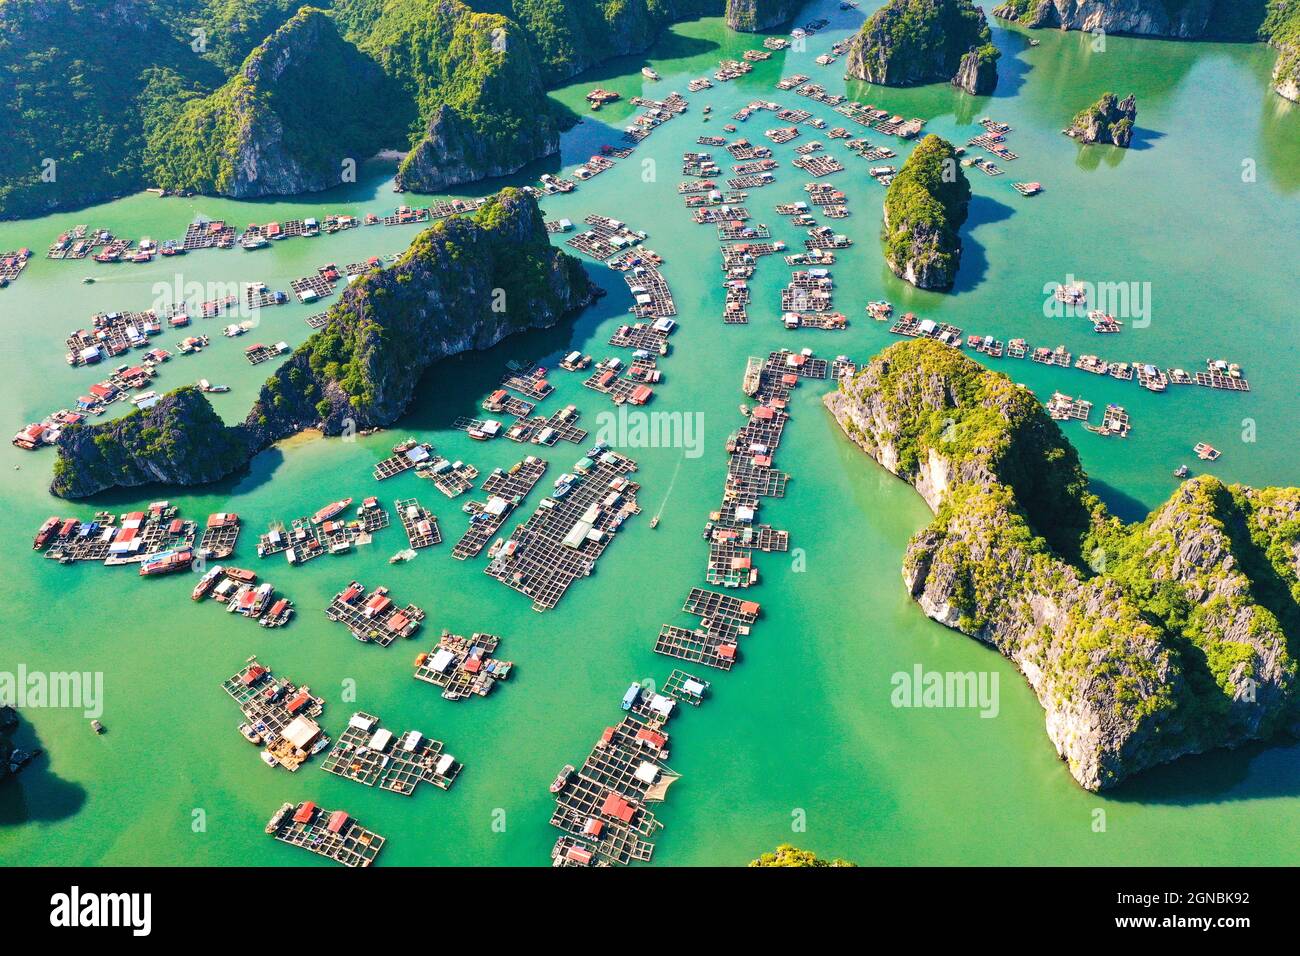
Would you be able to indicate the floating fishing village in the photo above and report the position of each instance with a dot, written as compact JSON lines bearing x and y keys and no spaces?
{"x":787,"y":177}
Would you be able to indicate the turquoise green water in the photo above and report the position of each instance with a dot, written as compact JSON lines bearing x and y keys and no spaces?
{"x":799,"y":743}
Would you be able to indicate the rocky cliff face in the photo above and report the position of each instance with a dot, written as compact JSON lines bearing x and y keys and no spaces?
{"x":1143,"y":643}
{"x":1185,"y":20}
{"x":453,"y":152}
{"x":1107,"y":121}
{"x":180,"y":440}
{"x":751,"y":16}
{"x":977,"y":74}
{"x":465,"y":283}
{"x":1276,"y":22}
{"x":910,"y":42}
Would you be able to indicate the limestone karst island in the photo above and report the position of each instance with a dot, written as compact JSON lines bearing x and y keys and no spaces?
{"x":649,"y":434}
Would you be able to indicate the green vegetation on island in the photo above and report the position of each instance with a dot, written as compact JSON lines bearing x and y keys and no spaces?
{"x":787,"y":855}
{"x":1143,"y":642}
{"x":1109,"y":120}
{"x":268,"y":130}
{"x":910,"y":42}
{"x":213,"y":96}
{"x":181,"y":434}
{"x":925,"y":207}
{"x":474,"y":105}
{"x":465,"y":283}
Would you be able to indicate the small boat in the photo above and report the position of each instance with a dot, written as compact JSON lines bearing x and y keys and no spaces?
{"x":330,"y":510}
{"x":406,"y":554}
{"x":250,"y":734}
{"x":321,"y":743}
{"x":206,"y":583}
{"x":649,"y":74}
{"x":1034,"y":42}
{"x":254,"y":242}
{"x":268,"y":758}
{"x":562,"y":778}
{"x":1181,"y":472}
{"x":96,"y":726}
{"x":654,"y":522}
{"x":632,"y":696}
{"x":274,"y":823}
{"x":46,"y":532}
{"x":88,"y":280}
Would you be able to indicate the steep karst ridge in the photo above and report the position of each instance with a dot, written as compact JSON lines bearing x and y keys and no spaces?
{"x":465,"y":283}
{"x":1143,"y":642}
{"x":107,"y":97}
{"x":910,"y":42}
{"x":477,"y":104}
{"x":281,"y":124}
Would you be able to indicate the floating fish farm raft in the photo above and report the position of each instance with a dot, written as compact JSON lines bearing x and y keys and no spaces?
{"x":279,"y":715}
{"x":569,"y":530}
{"x":462,"y":666}
{"x":420,"y":526}
{"x":332,"y":834}
{"x":370,"y":755}
{"x":375,"y":619}
{"x":506,"y":490}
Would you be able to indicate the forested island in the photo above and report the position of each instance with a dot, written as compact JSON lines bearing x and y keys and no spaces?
{"x":1143,"y":642}
{"x":910,"y":42}
{"x":925,"y":207}
{"x":465,"y":283}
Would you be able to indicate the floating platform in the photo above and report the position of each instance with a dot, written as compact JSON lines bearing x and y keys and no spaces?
{"x":561,"y":425}
{"x":452,"y":478}
{"x":406,"y":455}
{"x":462,"y":666}
{"x":570,"y":530}
{"x":279,"y":715}
{"x":375,"y":619}
{"x":506,"y":490}
{"x":369,"y":754}
{"x":686,"y":688}
{"x":332,"y":834}
{"x":420,"y":525}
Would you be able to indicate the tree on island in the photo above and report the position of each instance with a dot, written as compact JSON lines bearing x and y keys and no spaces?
{"x":787,"y":855}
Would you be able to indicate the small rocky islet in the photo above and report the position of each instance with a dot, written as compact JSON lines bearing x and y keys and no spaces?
{"x":1109,"y":120}
{"x":925,"y":208}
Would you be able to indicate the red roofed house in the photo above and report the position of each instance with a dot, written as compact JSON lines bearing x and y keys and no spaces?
{"x":617,"y":807}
